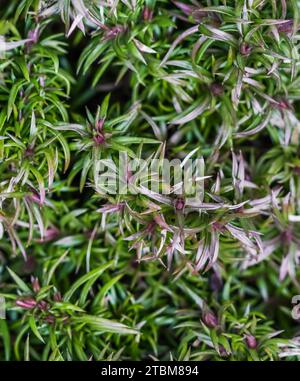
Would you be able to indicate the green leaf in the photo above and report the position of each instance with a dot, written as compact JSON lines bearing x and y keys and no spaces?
{"x":12,"y":96}
{"x":104,"y":106}
{"x":105,"y":325}
{"x":27,"y":349}
{"x":2,"y":118}
{"x":134,"y":140}
{"x":35,"y":329}
{"x":96,"y":272}
{"x":22,"y":285}
{"x":22,"y":65}
{"x":67,"y":307}
{"x":99,"y":299}
{"x":4,"y":332}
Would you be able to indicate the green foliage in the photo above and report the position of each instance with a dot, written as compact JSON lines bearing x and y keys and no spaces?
{"x":87,"y":275}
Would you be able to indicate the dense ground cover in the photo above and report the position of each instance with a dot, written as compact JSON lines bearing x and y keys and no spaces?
{"x":87,"y":275}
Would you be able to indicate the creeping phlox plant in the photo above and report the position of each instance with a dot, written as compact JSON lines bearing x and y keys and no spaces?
{"x":102,"y":256}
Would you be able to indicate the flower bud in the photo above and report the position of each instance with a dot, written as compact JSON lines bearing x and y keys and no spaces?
{"x":43,"y":305}
{"x":57,"y":297}
{"x":147,"y":14}
{"x":210,"y":319}
{"x":251,"y":341}
{"x":28,"y":303}
{"x":245,"y":49}
{"x":113,"y":32}
{"x":216,"y":89}
{"x":99,"y":139}
{"x":179,"y":203}
{"x":35,"y":284}
{"x":222,"y":351}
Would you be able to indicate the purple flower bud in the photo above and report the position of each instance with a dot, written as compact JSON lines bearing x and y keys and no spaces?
{"x":43,"y":305}
{"x":286,"y":27}
{"x":28,"y":303}
{"x":210,"y":319}
{"x":35,"y":284}
{"x":216,"y":89}
{"x":57,"y":297}
{"x":218,"y":226}
{"x":113,"y":32}
{"x":245,"y":49}
{"x":29,"y":152}
{"x":147,"y":14}
{"x":251,"y":341}
{"x":179,"y":203}
{"x":99,"y":139}
{"x":222,"y":351}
